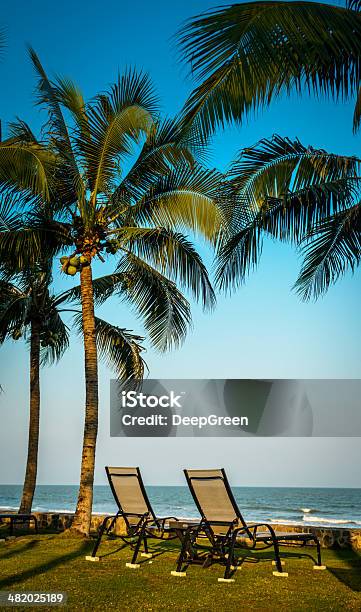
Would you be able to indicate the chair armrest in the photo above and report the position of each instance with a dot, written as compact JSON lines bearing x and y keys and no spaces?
{"x":143,"y":518}
{"x":255,"y":526}
{"x":160,"y":521}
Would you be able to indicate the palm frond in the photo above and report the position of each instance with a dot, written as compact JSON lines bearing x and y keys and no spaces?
{"x":275,"y":167}
{"x":57,"y":130}
{"x":163,"y":308}
{"x":282,"y":189}
{"x":173,"y":255}
{"x":27,"y":238}
{"x":68,"y":94}
{"x":119,"y":348}
{"x":330,"y":249}
{"x":27,"y":166}
{"x":353,"y":5}
{"x":357,"y":112}
{"x":164,"y":148}
{"x":185,"y":198}
{"x":55,"y":337}
{"x":248,"y":54}
{"x":239,"y":255}
{"x":14,"y":309}
{"x":115,"y":121}
{"x":21,"y":132}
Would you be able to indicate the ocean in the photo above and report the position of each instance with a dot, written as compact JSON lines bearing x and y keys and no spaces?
{"x":306,"y":506}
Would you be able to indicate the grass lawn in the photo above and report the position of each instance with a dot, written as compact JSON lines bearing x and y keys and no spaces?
{"x":57,"y":563}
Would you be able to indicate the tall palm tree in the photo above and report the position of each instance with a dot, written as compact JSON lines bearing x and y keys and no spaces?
{"x":30,"y":310}
{"x":246,"y":55}
{"x":100,"y":213}
{"x":281,"y":189}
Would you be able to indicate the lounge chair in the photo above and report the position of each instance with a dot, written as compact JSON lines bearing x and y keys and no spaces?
{"x":223,"y":529}
{"x":134,"y":508}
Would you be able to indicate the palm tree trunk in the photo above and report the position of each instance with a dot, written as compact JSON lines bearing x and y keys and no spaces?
{"x":81,"y":522}
{"x":34,"y":418}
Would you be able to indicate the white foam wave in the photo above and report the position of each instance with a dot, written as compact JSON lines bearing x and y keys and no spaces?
{"x":330,"y":521}
{"x":283,"y":521}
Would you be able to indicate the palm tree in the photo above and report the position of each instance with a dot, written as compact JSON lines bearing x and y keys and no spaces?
{"x":29,"y":309}
{"x":281,"y":189}
{"x":100,"y":214}
{"x":245,"y":55}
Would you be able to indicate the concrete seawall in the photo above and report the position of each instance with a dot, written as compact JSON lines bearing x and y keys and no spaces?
{"x":329,"y":537}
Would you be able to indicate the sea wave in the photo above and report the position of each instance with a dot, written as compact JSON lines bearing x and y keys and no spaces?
{"x":330,"y":521}
{"x":283,"y":521}
{"x":310,"y":520}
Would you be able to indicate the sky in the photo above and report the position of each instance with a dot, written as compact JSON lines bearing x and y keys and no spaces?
{"x":262,"y":331}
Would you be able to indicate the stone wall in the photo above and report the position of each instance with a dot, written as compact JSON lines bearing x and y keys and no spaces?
{"x":329,"y":537}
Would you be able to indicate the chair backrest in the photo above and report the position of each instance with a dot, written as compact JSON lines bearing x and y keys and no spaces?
{"x":213,"y":496}
{"x":128,"y":489}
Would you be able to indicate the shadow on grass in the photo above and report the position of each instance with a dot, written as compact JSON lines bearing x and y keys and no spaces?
{"x":19,"y":549}
{"x":157,"y":549}
{"x":350,"y":576}
{"x":44,"y":567}
{"x":254,"y":557}
{"x":268,"y":555}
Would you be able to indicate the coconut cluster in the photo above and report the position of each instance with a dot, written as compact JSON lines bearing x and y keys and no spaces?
{"x":49,"y":338}
{"x":74,"y":264}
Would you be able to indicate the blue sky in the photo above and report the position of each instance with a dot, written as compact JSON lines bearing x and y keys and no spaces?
{"x":262,"y":331}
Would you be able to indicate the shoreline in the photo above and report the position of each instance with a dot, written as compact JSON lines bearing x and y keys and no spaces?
{"x":330,"y":537}
{"x":314,"y":522}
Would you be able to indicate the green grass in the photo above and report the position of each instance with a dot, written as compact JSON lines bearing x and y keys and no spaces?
{"x":57,"y":563}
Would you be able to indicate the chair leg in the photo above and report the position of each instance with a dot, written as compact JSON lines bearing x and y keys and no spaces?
{"x":229,"y":562}
{"x":279,"y":572}
{"x":146,"y":552}
{"x":35,"y":524}
{"x":178,"y":572}
{"x":319,"y":565}
{"x":93,"y":556}
{"x":145,"y":544}
{"x":133,"y":564}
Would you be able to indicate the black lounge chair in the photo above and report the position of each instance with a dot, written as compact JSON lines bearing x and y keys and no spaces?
{"x":225,"y":529}
{"x":140,"y":520}
{"x":18,"y":518}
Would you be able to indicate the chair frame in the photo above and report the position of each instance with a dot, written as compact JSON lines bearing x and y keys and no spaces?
{"x":223,"y":545}
{"x":148,"y":525}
